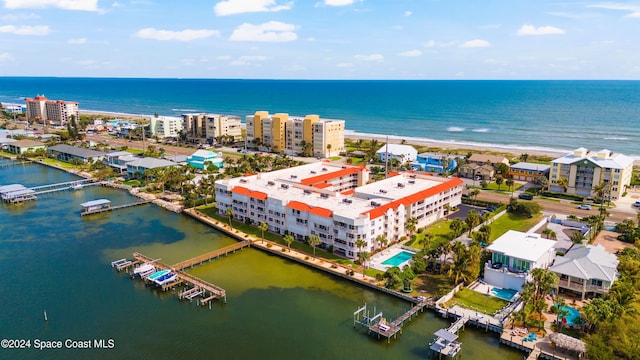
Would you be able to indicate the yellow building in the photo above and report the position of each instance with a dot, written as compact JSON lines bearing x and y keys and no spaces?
{"x":581,"y":171}
{"x":295,"y":135}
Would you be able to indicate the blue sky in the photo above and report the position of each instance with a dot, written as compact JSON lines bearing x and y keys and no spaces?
{"x":321,"y":39}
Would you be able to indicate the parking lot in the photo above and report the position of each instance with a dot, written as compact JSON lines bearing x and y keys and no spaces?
{"x":463,"y":210}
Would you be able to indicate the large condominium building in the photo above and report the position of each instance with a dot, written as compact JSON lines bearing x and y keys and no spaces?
{"x":56,"y":112}
{"x":582,"y":171}
{"x":335,"y":204}
{"x":165,"y":126}
{"x":295,"y":135}
{"x":212,"y":127}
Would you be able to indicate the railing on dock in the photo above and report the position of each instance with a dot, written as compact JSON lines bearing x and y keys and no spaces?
{"x":210,"y":255}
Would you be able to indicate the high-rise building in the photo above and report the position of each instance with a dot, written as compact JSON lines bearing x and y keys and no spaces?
{"x":212,"y":127}
{"x":56,"y":112}
{"x":165,"y":126}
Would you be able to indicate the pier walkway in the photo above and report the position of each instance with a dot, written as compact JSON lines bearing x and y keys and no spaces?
{"x":13,"y":163}
{"x":209,"y":289}
{"x":210,"y":255}
{"x":380,"y":326}
{"x":88,"y":211}
{"x":69,"y":185}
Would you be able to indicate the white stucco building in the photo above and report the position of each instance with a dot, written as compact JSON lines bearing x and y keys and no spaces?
{"x":403,"y":153}
{"x":514,"y":255}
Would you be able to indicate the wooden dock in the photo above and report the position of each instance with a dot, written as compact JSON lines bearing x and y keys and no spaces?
{"x":378,"y":325}
{"x":112,"y":208}
{"x":210,"y":255}
{"x":14,"y":163}
{"x":63,"y":186}
{"x":210,"y":290}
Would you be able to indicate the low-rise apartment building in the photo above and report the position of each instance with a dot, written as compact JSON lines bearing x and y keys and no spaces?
{"x":582,"y":171}
{"x":212,"y":127}
{"x":165,"y":126}
{"x":334,"y":203}
{"x":294,"y":135}
{"x":524,"y":171}
{"x":56,"y":112}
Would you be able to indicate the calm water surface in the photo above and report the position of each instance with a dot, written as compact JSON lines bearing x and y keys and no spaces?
{"x":52,"y":259}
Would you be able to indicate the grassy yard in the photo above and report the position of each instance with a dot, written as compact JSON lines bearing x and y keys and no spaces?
{"x":474,"y":300}
{"x":60,"y":164}
{"x":335,"y":158}
{"x":211,"y":211}
{"x":511,"y":221}
{"x":431,"y":285}
{"x":503,"y":187}
{"x":440,"y":229}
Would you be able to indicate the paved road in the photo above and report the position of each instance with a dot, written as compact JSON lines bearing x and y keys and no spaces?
{"x":566,"y":207}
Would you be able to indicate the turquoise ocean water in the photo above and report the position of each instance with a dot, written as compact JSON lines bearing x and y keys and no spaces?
{"x":558,"y":115}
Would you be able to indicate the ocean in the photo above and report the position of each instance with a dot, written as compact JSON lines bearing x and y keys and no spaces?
{"x":53,"y":260}
{"x":538,"y":115}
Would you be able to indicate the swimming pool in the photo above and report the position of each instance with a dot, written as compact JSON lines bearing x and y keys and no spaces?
{"x":398,"y":258}
{"x":572,"y":316}
{"x":505,"y":294}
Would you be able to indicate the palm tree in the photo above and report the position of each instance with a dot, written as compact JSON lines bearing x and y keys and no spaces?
{"x":472,"y":220}
{"x":577,"y":237}
{"x":288,"y":239}
{"x":382,"y":240}
{"x":360,"y":243}
{"x":499,"y":181}
{"x":509,"y":182}
{"x":564,"y":183}
{"x":524,"y":157}
{"x":410,"y":226}
{"x":550,"y":234}
{"x":313,"y":241}
{"x":263,"y":226}
{"x":329,"y":149}
{"x":474,"y":193}
{"x":457,"y":226}
{"x":427,"y":239}
{"x":364,"y":256}
{"x":447,"y":209}
{"x":230,"y":214}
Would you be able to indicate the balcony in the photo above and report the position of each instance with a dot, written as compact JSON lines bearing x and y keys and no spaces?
{"x":579,"y":286}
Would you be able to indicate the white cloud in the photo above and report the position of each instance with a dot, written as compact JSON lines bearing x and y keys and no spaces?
{"x":338,"y":2}
{"x":78,"y":41}
{"x":411,"y":53}
{"x":369,"y":57}
{"x":433,"y":43}
{"x":231,"y":7}
{"x":272,"y":31}
{"x":252,"y":58}
{"x":344,"y":65}
{"x":183,"y":35}
{"x":408,"y":13}
{"x":85,"y":5}
{"x":223,"y":57}
{"x":527,"y":29}
{"x":476,"y":43}
{"x":19,"y":17}
{"x":116,"y":4}
{"x":25,"y":30}
{"x":633,"y":10}
{"x":5,"y":57}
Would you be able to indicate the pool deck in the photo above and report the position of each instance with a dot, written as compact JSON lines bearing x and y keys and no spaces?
{"x":377,"y":260}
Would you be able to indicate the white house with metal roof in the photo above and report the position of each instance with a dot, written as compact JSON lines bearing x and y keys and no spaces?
{"x":67,"y":153}
{"x":514,"y":255}
{"x":403,"y":153}
{"x":586,"y":270}
{"x":584,"y":170}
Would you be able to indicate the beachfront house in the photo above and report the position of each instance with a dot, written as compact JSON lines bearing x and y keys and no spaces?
{"x":586,"y":270}
{"x":476,"y":171}
{"x":24,"y":145}
{"x":514,"y":255}
{"x":202,"y":159}
{"x":581,"y":171}
{"x":68,"y":153}
{"x":402,"y":153}
{"x":136,"y":168}
{"x":432,"y":162}
{"x":524,"y":171}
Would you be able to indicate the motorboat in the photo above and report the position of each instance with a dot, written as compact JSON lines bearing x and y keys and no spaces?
{"x":158,"y":274}
{"x":144,"y":270}
{"x":165,"y":279}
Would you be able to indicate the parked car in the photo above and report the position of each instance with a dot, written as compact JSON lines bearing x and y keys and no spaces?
{"x":636,"y":204}
{"x":584,"y":207}
{"x":525,"y":196}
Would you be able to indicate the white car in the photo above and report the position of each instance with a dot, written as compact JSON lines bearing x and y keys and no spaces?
{"x":584,"y":207}
{"x":636,"y":204}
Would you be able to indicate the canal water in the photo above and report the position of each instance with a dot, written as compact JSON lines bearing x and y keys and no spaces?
{"x":52,"y":259}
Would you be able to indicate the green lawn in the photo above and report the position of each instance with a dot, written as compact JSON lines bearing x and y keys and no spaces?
{"x":436,"y":285}
{"x":511,"y":221}
{"x":474,"y":300}
{"x":440,"y":229}
{"x":503,"y":187}
{"x":335,"y":158}
{"x":60,"y":164}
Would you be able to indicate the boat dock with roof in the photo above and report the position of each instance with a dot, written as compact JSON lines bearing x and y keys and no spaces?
{"x":379,"y":325}
{"x":16,"y":193}
{"x":104,"y":205}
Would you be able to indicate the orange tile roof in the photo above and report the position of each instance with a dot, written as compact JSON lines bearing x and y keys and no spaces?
{"x":348,"y":192}
{"x":254,"y":194}
{"x":413,"y":198}
{"x":328,"y":176}
{"x":320,"y":211}
{"x":322,"y":185}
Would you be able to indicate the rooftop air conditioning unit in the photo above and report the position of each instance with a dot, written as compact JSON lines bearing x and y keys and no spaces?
{"x":284,"y":186}
{"x":412,"y":181}
{"x":271,"y":183}
{"x":324,"y":196}
{"x":400,"y":185}
{"x":307,"y":192}
{"x":383,"y":191}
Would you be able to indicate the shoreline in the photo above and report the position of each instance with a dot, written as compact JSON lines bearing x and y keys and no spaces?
{"x":515,"y":150}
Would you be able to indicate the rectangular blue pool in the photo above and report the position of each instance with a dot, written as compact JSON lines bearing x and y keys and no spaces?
{"x":398,"y":258}
{"x":505,"y":294}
